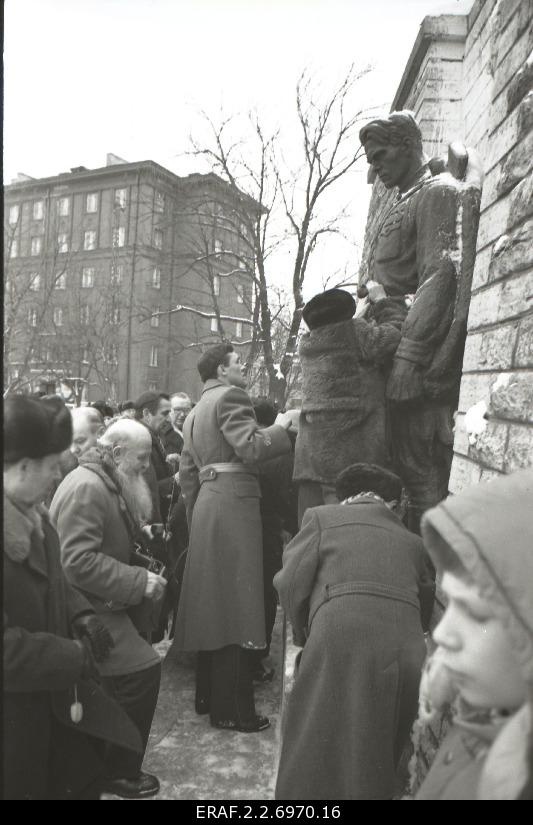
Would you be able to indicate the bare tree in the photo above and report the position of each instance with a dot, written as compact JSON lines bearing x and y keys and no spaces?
{"x":291,"y":210}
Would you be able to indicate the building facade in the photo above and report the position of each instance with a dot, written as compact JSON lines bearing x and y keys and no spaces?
{"x":115,"y":278}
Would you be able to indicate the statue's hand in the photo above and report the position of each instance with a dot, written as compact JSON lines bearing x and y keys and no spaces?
{"x":405,"y":381}
{"x":376,"y":292}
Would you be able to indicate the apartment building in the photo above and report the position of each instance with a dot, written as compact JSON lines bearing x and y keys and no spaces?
{"x":96,"y":262}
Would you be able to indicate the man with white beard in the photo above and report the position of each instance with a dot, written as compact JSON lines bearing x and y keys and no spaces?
{"x":98,"y":510}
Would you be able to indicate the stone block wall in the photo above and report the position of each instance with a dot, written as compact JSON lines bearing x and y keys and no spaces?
{"x":494,"y":428}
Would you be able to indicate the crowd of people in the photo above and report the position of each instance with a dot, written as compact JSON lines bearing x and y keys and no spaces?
{"x":168,"y":518}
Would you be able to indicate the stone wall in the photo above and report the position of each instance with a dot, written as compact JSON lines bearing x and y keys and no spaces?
{"x":494,"y":429}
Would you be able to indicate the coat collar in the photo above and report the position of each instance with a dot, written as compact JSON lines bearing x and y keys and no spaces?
{"x":19,"y":527}
{"x":211,"y":383}
{"x":100,"y":463}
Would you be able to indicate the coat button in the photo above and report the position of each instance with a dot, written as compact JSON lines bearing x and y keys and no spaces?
{"x":448,"y":758}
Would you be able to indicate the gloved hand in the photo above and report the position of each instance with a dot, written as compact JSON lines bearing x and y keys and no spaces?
{"x":90,"y":629}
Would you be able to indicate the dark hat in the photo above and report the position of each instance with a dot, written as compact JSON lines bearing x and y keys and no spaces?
{"x":368,"y":478}
{"x":104,"y":409}
{"x":126,"y":405}
{"x":35,"y":428}
{"x":329,"y":307}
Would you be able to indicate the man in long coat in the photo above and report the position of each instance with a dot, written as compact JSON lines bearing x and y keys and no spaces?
{"x":221,"y":610}
{"x":54,"y":713}
{"x":356,"y":586}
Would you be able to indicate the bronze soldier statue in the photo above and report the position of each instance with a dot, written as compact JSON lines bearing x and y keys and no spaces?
{"x":424,"y":251}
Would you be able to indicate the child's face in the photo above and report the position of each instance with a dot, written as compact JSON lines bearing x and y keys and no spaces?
{"x":476,"y":649}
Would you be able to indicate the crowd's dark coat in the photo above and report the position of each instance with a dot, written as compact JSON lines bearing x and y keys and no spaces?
{"x":160,"y":479}
{"x":171,"y":439}
{"x":42,"y":664}
{"x":96,"y":548}
{"x":221,"y":600}
{"x":352,"y":584}
{"x":343,"y":394}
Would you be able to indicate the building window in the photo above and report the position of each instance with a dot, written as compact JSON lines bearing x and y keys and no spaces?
{"x":36,"y":245}
{"x":159,"y":202}
{"x":119,"y":236}
{"x":152,"y":386}
{"x":240,"y":295}
{"x":115,"y":315}
{"x":117,"y":273}
{"x":60,"y":281}
{"x":85,"y":355}
{"x":243,"y":229}
{"x":158,"y":238}
{"x":14,"y":212}
{"x":216,"y":285}
{"x":38,"y":210}
{"x":87,"y":277}
{"x":154,"y":356}
{"x":63,"y":206}
{"x":214,"y":325}
{"x":238,"y":329}
{"x":154,"y":320}
{"x":113,"y":354}
{"x":120,"y":198}
{"x":84,"y":314}
{"x":218,"y":245}
{"x":156,"y":278}
{"x":14,"y":248}
{"x":58,"y":316}
{"x":62,"y":242}
{"x":91,"y":203}
{"x":89,"y":241}
{"x":32,"y":317}
{"x":242,"y":263}
{"x":35,"y":281}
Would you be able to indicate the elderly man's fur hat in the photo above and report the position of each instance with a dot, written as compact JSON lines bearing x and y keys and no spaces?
{"x":35,"y":427}
{"x":329,"y":307}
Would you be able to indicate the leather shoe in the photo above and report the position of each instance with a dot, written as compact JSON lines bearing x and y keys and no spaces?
{"x":259,"y":723}
{"x":141,"y":787}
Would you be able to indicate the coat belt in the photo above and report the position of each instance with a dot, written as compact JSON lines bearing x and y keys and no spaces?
{"x":210,"y":471}
{"x":385,"y":591}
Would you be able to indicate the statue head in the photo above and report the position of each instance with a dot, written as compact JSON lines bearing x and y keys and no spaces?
{"x":393,"y":147}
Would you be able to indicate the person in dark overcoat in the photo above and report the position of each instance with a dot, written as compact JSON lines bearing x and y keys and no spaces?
{"x":55,"y":716}
{"x":357,"y":588}
{"x":221,"y":611}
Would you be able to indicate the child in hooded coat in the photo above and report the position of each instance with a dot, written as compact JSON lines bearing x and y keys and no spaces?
{"x":482,"y":544}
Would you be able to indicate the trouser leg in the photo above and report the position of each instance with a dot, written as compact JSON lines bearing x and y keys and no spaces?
{"x":422,"y":438}
{"x":232,"y":693}
{"x":203,"y":681}
{"x":137,"y":694}
{"x":272,"y":562}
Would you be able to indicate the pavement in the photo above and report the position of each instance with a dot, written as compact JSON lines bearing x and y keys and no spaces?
{"x":194,"y":760}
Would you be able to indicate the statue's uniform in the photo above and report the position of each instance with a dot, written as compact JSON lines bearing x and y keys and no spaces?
{"x":425,"y":248}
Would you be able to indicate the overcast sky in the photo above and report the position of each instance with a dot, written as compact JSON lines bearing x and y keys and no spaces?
{"x":87,"y":77}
